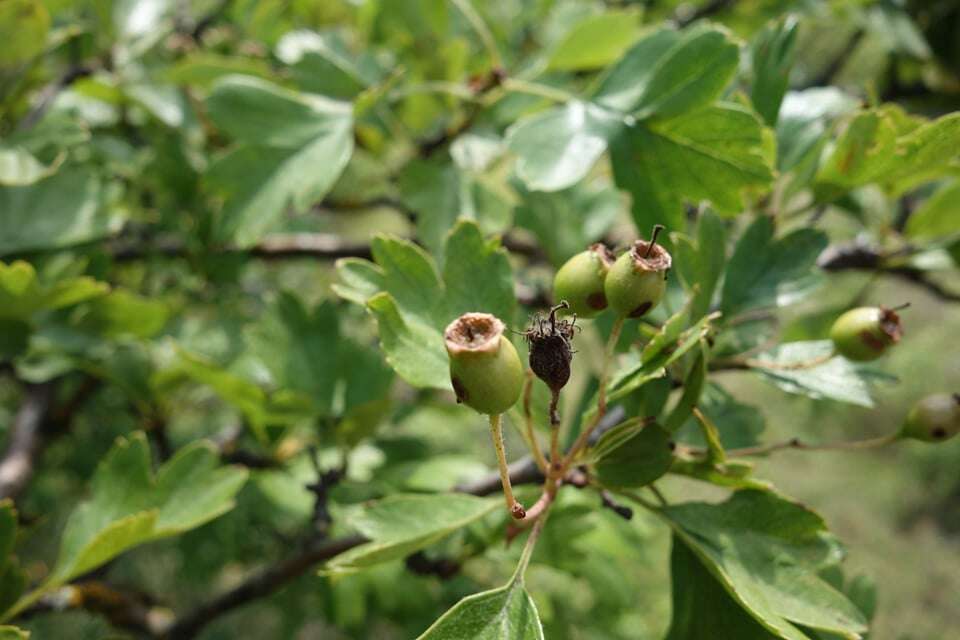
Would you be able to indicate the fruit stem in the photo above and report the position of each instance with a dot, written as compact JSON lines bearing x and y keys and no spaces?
{"x":531,"y":432}
{"x":584,"y":436}
{"x":496,"y":433}
{"x":657,"y":228}
{"x":528,"y":548}
{"x":901,"y":307}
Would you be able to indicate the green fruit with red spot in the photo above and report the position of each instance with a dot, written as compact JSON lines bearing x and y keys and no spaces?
{"x":580,"y":281}
{"x":865,"y":333}
{"x":935,"y":418}
{"x":485,"y":369}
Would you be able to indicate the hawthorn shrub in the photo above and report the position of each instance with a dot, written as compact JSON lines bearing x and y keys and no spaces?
{"x":416,"y":319}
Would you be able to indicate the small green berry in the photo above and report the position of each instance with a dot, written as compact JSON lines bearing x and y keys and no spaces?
{"x":580,"y":281}
{"x":865,"y":333}
{"x":637,"y":280}
{"x":485,"y":370}
{"x":935,"y":418}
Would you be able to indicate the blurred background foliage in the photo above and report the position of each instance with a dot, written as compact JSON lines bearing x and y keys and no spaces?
{"x":123,"y":162}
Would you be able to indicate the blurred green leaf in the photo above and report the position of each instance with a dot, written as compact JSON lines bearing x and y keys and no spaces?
{"x":22,"y":294}
{"x":13,"y":633}
{"x":24,"y":25}
{"x":890,"y":148}
{"x":766,"y":553}
{"x":556,"y":148}
{"x":402,"y":524}
{"x":292,"y":149}
{"x":669,"y":73}
{"x":939,"y":216}
{"x":595,"y":41}
{"x":763,"y":271}
{"x":65,"y":209}
{"x":835,"y":378}
{"x":18,"y":167}
{"x":772,"y":55}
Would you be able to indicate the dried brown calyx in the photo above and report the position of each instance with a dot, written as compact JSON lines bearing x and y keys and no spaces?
{"x":550,"y":352}
{"x":650,"y":256}
{"x":890,"y":323}
{"x":473,"y":333}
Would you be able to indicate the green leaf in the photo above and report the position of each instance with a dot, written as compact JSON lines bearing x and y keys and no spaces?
{"x":632,"y":455}
{"x":803,"y":121}
{"x":477,"y":275}
{"x":938,"y":216}
{"x":122,"y":313}
{"x":24,"y":25}
{"x":22,"y":294}
{"x":701,"y":606}
{"x":700,"y":264}
{"x":258,"y":112}
{"x":442,"y":193}
{"x":690,"y":75}
{"x":12,"y":579}
{"x":66,"y":209}
{"x":833,"y":379}
{"x":740,"y":425}
{"x":13,"y":633}
{"x":772,"y":55}
{"x":565,"y":222}
{"x":130,"y":506}
{"x":713,"y":154}
{"x":556,"y":148}
{"x":595,"y":41}
{"x":887,"y":147}
{"x":293,"y":147}
{"x":668,"y":73}
{"x":298,"y":348}
{"x":507,"y":612}
{"x":764,"y":272}
{"x":766,"y":552}
{"x":413,"y":304}
{"x":414,"y":349}
{"x":402,"y":524}
{"x":18,"y":167}
{"x":259,"y":406}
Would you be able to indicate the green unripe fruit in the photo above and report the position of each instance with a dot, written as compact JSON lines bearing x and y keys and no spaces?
{"x":865,"y":333}
{"x":485,"y":370}
{"x":580,"y":281}
{"x":637,"y":280}
{"x":933,"y":419}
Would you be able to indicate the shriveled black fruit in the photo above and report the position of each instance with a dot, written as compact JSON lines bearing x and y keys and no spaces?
{"x":550,"y":351}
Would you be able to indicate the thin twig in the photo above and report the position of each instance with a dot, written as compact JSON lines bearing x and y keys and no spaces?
{"x":532,"y":441}
{"x":259,"y":585}
{"x":795,"y":443}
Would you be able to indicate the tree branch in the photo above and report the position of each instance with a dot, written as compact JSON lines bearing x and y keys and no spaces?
{"x":16,"y":467}
{"x":861,"y":257}
{"x":259,"y":585}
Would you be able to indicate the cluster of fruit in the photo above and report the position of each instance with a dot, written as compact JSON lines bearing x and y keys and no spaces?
{"x":487,"y":374}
